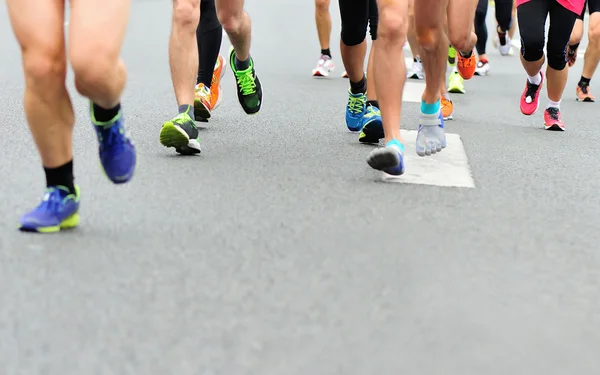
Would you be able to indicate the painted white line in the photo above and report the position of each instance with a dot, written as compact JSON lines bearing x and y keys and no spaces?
{"x":413,"y":90}
{"x":450,"y":168}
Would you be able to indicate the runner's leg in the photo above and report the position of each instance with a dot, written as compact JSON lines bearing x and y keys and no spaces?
{"x":39,"y":28}
{"x":354,"y":15}
{"x":325,"y":64}
{"x":96,"y":33}
{"x":461,"y":14}
{"x":592,"y":52}
{"x":575,"y":39}
{"x":236,"y":23}
{"x":416,"y":71}
{"x":390,"y":75}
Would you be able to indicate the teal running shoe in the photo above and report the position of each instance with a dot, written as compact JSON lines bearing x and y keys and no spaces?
{"x":355,"y":110}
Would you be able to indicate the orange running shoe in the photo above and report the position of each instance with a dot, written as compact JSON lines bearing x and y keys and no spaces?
{"x":447,"y":108}
{"x":202,"y":106}
{"x":466,"y":65}
{"x":584,"y":94}
{"x":215,"y":86}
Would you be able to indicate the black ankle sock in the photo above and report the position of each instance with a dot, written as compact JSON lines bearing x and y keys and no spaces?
{"x":242,"y":65}
{"x":374,"y":103}
{"x":326,"y":52}
{"x":185,"y":108}
{"x":584,"y":81}
{"x":105,"y":115}
{"x":573,"y":47}
{"x":466,"y":55}
{"x":359,"y":87}
{"x":61,"y":176}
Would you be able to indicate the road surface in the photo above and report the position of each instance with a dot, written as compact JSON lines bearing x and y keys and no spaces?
{"x":278,"y":251}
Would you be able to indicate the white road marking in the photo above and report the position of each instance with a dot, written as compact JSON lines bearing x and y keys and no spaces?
{"x":450,"y":168}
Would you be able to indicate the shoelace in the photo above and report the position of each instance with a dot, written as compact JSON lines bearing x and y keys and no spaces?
{"x":245,"y":81}
{"x":111,"y":136}
{"x":355,"y":104}
{"x":553,"y":113}
{"x":531,"y":90}
{"x":52,"y":200}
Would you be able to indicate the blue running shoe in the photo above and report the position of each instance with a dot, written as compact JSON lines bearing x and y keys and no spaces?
{"x":355,"y":110}
{"x":372,"y":130}
{"x":57,"y":211}
{"x":117,"y":152}
{"x":389,"y":159}
{"x":431,"y":137}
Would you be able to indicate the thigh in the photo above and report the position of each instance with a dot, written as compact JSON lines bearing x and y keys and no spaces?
{"x":562,"y":21}
{"x":430,"y":14}
{"x":38,"y":25}
{"x":461,"y":14}
{"x":532,"y":16}
{"x":98,"y":27}
{"x":229,"y":8}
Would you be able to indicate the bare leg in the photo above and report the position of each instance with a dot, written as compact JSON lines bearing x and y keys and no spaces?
{"x":323,"y":21}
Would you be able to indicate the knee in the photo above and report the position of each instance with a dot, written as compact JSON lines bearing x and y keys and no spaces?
{"x":45,"y":67}
{"x":186,"y":13}
{"x":460,"y":39}
{"x":230,"y":19}
{"x":429,"y":37}
{"x":322,"y":5}
{"x":92,"y":65}
{"x":532,"y":49}
{"x":557,"y":58}
{"x":393,"y":24}
{"x":594,"y":34}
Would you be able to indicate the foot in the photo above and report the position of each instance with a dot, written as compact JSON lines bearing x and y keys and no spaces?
{"x":504,"y":45}
{"x":345,"y":74}
{"x":530,"y":98}
{"x":355,"y":110}
{"x":372,"y":129}
{"x":249,"y":89}
{"x":416,"y":71}
{"x":324,"y":67}
{"x":456,"y":83}
{"x":431,"y":137}
{"x":466,"y":65}
{"x":116,"y":150}
{"x":389,"y":159}
{"x":483,"y":68}
{"x":58,"y":210}
{"x":447,"y":108}
{"x":552,"y":120}
{"x":215,"y":85}
{"x":583,"y":93}
{"x":182,"y":134}
{"x":202,"y":106}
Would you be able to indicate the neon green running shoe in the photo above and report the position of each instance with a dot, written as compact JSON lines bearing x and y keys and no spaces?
{"x":181,"y":132}
{"x":456,"y":83}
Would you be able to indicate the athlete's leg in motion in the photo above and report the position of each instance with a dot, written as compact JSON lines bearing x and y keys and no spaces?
{"x":592,"y":52}
{"x":390,"y":74}
{"x":561,"y":25}
{"x":39,"y":30}
{"x":504,"y":19}
{"x":575,"y":39}
{"x":532,"y":23}
{"x":461,"y":14}
{"x":416,"y":71}
{"x":372,"y":130}
{"x":513,"y":26}
{"x":430,"y":23}
{"x":236,"y":23}
{"x":209,"y":35}
{"x":323,"y":21}
{"x":353,"y":47}
{"x":96,"y":33}
{"x":483,"y":65}
{"x":181,"y":131}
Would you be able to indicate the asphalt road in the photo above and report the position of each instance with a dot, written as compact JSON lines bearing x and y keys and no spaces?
{"x":278,"y":251}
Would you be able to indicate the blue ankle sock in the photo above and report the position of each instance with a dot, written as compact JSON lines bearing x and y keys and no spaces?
{"x":430,"y":109}
{"x":395,"y":143}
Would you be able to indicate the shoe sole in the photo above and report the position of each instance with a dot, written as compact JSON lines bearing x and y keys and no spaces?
{"x":383,"y":160}
{"x":201,"y":113}
{"x":554,"y":127}
{"x":173,"y":136}
{"x":69,"y":223}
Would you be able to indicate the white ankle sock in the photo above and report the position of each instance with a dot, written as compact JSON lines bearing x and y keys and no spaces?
{"x":552,"y":104}
{"x":536,"y":79}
